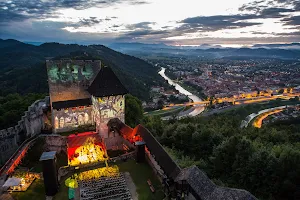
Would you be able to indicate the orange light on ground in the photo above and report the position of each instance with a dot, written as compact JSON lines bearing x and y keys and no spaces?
{"x":258,"y":121}
{"x":249,"y":100}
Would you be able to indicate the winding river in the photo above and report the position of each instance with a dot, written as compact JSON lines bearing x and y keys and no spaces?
{"x":195,"y":110}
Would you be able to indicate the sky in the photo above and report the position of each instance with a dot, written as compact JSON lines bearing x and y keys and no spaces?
{"x":173,"y":22}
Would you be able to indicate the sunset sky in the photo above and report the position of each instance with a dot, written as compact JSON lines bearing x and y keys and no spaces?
{"x":173,"y":22}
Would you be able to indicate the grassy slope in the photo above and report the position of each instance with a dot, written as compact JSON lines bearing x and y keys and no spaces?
{"x":35,"y":192}
{"x":140,"y":173}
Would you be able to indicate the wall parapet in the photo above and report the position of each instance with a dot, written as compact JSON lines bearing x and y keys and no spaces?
{"x":31,"y":124}
{"x":33,"y":111}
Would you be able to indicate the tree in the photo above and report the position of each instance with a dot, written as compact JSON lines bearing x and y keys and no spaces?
{"x":231,"y":156}
{"x":160,"y":104}
{"x":281,"y":91}
{"x":133,"y":111}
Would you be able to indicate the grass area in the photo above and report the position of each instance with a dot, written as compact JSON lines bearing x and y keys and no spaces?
{"x":163,"y":113}
{"x":63,"y":192}
{"x":140,"y":173}
{"x":35,"y":192}
{"x":62,"y":159}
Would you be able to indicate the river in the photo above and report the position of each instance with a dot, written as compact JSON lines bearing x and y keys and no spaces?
{"x":197,"y":109}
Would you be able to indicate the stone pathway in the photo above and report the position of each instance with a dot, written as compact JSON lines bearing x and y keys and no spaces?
{"x":131,"y":186}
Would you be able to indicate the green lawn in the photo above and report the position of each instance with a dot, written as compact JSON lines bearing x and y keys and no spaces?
{"x":63,"y":190}
{"x":140,"y":173}
{"x":35,"y":192}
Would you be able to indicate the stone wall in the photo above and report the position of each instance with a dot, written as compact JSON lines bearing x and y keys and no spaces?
{"x":105,"y":109}
{"x":70,"y":118}
{"x":31,"y":124}
{"x":155,"y":166}
{"x":116,"y":142}
{"x":56,"y":143}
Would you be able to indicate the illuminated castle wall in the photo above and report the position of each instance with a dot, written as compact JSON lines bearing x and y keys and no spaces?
{"x":70,"y":118}
{"x":84,"y":93}
{"x":107,"y":108}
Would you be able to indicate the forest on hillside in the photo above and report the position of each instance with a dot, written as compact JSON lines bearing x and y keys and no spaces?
{"x":12,"y":107}
{"x":23,"y":69}
{"x":264,"y":161}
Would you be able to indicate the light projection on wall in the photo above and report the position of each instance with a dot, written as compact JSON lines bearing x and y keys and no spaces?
{"x":69,"y":73}
{"x":69,"y":79}
{"x":72,"y":117}
{"x":107,"y":108}
{"x":85,"y":148}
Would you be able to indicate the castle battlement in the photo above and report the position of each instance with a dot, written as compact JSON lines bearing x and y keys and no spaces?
{"x":30,"y":124}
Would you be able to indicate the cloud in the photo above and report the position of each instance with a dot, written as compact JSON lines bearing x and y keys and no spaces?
{"x":20,"y":10}
{"x":141,"y":25}
{"x":217,"y":22}
{"x":259,"y":33}
{"x":142,"y":30}
{"x":255,"y":6}
{"x":274,"y":12}
{"x":31,"y":19}
{"x":89,"y":21}
{"x":292,"y":21}
{"x":289,"y":34}
{"x":271,"y":8}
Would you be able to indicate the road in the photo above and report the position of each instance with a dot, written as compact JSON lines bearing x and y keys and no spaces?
{"x":258,"y":122}
{"x":250,"y":117}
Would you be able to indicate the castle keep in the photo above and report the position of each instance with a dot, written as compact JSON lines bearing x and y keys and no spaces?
{"x":82,"y":94}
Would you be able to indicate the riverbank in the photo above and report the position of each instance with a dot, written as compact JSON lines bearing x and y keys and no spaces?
{"x":193,"y":111}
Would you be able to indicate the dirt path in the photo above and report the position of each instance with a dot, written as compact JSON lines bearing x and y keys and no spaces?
{"x":131,"y":186}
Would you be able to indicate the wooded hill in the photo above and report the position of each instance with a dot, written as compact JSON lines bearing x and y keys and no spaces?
{"x":23,"y":70}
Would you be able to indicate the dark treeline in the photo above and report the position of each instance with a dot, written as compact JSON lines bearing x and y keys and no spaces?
{"x":12,"y":107}
{"x":23,"y":71}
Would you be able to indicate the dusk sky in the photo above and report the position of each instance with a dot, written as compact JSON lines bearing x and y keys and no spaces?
{"x":173,"y":22}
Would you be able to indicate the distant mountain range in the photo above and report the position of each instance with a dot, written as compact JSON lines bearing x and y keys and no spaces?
{"x":276,"y":51}
{"x":281,"y":46}
{"x":19,"y":60}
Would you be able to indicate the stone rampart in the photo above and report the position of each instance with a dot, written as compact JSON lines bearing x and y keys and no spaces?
{"x":31,"y":124}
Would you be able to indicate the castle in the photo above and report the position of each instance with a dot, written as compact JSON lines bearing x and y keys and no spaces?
{"x":84,"y":93}
{"x":87,"y":97}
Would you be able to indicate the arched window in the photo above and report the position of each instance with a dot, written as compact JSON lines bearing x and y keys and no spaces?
{"x":86,"y":118}
{"x":61,"y":122}
{"x":80,"y":120}
{"x":56,"y":123}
